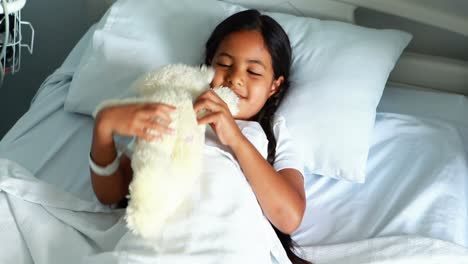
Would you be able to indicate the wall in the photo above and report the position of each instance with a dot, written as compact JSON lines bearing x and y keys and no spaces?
{"x":426,"y":39}
{"x":58,"y":24}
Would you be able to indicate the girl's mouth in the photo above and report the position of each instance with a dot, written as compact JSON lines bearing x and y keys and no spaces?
{"x":240,"y":96}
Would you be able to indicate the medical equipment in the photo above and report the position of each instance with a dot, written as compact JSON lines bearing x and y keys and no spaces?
{"x":11,"y":31}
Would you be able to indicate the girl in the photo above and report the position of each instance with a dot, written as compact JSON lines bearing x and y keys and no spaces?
{"x":250,"y":54}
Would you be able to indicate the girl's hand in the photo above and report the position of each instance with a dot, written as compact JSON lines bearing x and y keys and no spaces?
{"x":219,"y":117}
{"x":137,"y":119}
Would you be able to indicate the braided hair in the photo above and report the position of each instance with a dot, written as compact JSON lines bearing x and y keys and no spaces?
{"x":279,"y":47}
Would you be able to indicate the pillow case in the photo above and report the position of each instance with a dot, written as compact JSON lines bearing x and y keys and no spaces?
{"x":337,"y":78}
{"x":338,"y":72}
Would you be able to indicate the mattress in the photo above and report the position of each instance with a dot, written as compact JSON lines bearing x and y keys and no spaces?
{"x":417,"y":175}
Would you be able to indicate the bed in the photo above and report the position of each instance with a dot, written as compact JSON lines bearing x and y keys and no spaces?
{"x":412,"y":208}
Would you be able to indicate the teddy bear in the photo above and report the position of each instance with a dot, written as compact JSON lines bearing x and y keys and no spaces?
{"x":164,"y":171}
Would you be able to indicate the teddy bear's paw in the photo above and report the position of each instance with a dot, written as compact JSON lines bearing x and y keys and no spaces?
{"x":146,"y":217}
{"x":150,"y":222}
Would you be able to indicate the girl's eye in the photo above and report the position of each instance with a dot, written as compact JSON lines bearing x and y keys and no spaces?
{"x":222,"y":64}
{"x":254,"y":73}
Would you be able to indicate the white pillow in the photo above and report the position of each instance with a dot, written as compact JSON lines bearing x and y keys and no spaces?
{"x":337,"y":78}
{"x":338,"y":74}
{"x":135,"y":37}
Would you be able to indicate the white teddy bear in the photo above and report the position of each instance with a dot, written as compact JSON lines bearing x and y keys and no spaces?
{"x":164,"y":171}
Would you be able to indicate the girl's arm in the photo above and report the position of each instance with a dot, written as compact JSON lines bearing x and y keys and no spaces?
{"x":280,"y":194}
{"x":113,"y":188}
{"x":128,"y":120}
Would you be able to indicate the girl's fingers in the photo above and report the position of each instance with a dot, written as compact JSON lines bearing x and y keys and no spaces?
{"x":157,"y":113}
{"x":150,"y":130}
{"x":164,"y":107}
{"x":145,"y":134}
{"x":158,"y":116}
{"x":198,"y":105}
{"x":211,"y":96}
{"x":214,"y":97}
{"x":210,"y":118}
{"x":207,"y":104}
{"x":158,"y":128}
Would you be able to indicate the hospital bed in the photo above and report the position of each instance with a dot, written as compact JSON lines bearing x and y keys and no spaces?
{"x":413,"y":206}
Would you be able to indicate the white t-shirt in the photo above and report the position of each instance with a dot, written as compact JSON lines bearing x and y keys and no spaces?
{"x":225,"y":203}
{"x":285,"y":156}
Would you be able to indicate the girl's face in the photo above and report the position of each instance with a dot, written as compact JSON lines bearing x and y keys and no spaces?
{"x":242,"y":62}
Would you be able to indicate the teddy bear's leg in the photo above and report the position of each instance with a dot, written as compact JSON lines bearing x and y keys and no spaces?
{"x":164,"y":173}
{"x":148,"y":206}
{"x":150,"y":197}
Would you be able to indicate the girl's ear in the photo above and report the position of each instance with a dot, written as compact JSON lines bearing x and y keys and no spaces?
{"x":275,"y":85}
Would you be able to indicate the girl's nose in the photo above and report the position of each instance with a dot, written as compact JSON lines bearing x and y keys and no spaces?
{"x":235,"y":79}
{"x":237,"y":86}
{"x":234,"y":82}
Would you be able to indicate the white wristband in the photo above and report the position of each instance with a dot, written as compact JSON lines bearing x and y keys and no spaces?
{"x":106,"y":170}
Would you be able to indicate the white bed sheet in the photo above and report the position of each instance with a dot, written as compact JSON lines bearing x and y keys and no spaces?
{"x":75,"y":232}
{"x":417,"y":172}
{"x":417,"y":176}
{"x":417,"y":183}
{"x":49,"y":141}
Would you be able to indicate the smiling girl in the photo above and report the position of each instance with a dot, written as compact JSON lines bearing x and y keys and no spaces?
{"x":251,"y":55}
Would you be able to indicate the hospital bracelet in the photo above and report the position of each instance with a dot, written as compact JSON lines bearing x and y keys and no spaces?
{"x":106,"y":170}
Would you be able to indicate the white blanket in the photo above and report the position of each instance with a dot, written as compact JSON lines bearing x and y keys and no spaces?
{"x":53,"y":226}
{"x":44,"y":225}
{"x":394,"y":250}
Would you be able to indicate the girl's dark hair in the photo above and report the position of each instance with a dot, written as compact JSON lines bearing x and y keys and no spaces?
{"x":279,"y":47}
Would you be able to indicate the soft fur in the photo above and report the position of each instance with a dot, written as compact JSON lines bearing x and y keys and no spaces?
{"x":165,"y":171}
